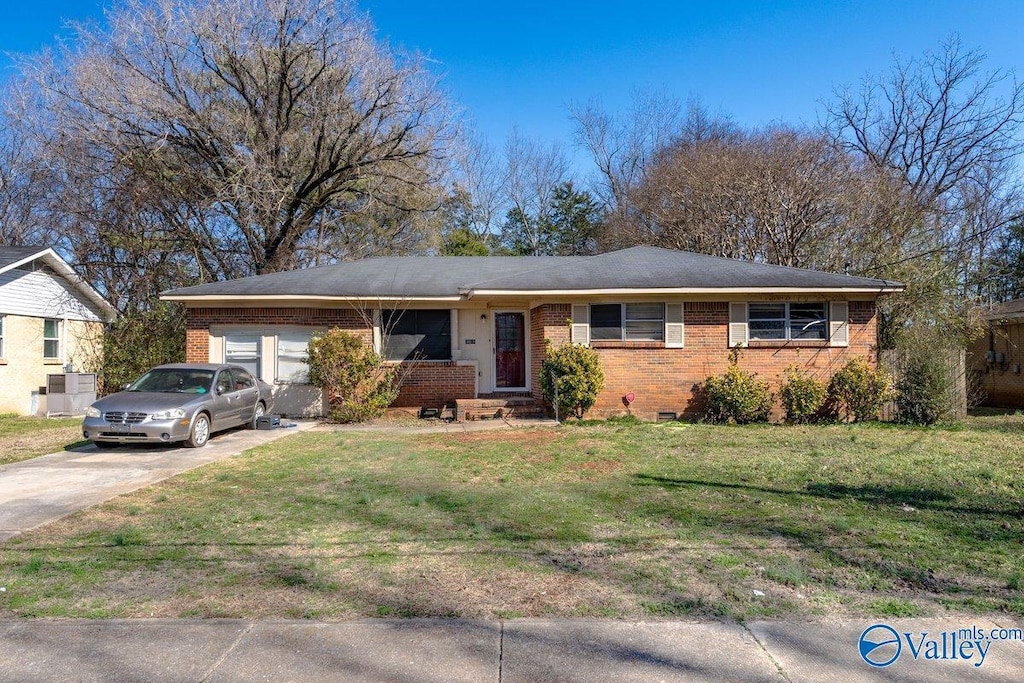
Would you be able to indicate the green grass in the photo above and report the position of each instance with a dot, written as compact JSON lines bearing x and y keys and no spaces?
{"x":22,"y":438}
{"x":604,"y":519}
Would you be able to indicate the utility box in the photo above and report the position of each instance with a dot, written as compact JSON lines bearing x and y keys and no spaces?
{"x":70,"y":393}
{"x":269,"y":422}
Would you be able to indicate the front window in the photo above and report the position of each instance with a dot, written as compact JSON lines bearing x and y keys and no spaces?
{"x":627,"y":322}
{"x":786,"y":321}
{"x":292,"y":356}
{"x":51,"y":338}
{"x":243,"y":350}
{"x":417,"y":335}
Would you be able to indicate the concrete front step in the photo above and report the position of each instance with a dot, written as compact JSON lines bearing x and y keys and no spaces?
{"x":496,"y":408}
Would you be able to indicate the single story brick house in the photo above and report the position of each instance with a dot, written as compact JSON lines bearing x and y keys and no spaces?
{"x":661,"y":320}
{"x":996,"y":358}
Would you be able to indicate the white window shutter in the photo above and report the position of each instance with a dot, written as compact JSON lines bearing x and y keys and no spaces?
{"x":737,"y":324}
{"x":839,"y":323}
{"x":581,"y":324}
{"x":673,"y":326}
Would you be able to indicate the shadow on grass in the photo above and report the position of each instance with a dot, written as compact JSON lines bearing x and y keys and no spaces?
{"x":917,"y":497}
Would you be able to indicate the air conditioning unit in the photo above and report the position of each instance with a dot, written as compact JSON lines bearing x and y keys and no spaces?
{"x":70,"y":393}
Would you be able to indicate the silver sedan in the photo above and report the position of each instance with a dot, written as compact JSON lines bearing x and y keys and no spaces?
{"x":179,"y":402}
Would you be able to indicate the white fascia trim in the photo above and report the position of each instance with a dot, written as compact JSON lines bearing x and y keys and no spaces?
{"x":684,"y":290}
{"x":54,"y":260}
{"x":28,"y":259}
{"x":260,"y":298}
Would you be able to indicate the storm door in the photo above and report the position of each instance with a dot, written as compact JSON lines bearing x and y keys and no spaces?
{"x":509,"y":350}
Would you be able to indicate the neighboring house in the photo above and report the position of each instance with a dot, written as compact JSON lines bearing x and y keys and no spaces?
{"x":996,"y":358}
{"x":662,"y":321}
{"x":50,"y":319}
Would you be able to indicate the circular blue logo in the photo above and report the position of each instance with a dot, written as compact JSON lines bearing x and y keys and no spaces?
{"x":880,"y":645}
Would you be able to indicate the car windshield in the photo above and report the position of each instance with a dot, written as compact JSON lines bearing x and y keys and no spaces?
{"x":175,"y":380}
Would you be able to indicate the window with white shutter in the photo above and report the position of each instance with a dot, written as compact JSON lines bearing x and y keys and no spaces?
{"x":674,"y":326}
{"x":839,"y":323}
{"x":580,"y":330}
{"x":737,"y":324}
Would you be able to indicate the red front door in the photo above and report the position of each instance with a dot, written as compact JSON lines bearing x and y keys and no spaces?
{"x":509,"y":350}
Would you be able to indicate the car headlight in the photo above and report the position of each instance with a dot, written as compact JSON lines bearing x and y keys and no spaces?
{"x":92,"y":411}
{"x":172,"y":414}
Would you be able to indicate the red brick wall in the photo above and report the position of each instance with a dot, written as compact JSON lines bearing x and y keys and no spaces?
{"x":435,"y":384}
{"x":429,"y":384}
{"x":550,"y":321}
{"x":666,"y":379}
{"x":199,"y":321}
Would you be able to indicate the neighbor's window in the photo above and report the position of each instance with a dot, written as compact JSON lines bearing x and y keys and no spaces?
{"x":785,"y":321}
{"x":292,"y":354}
{"x":243,"y":350}
{"x":627,"y":322}
{"x":51,"y":338}
{"x":417,"y":335}
{"x":1,"y":336}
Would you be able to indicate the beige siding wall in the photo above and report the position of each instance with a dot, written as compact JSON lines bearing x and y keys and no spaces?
{"x":23,"y":369}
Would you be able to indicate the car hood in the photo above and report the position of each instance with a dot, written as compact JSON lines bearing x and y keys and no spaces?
{"x":146,"y":401}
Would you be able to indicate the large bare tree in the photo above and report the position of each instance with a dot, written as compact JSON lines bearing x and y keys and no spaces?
{"x":948,"y":130}
{"x":781,"y":195}
{"x":253,"y":135}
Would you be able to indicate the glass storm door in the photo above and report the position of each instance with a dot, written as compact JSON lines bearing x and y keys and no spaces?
{"x":509,"y":350}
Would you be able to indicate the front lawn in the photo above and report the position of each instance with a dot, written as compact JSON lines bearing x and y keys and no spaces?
{"x":612,"y":520}
{"x":22,"y":438}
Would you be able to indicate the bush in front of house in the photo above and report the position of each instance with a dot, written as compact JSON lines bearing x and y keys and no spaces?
{"x":576,"y":371}
{"x":358,"y":385}
{"x":802,"y":396}
{"x":737,"y":395}
{"x":924,"y":386}
{"x":858,"y":390}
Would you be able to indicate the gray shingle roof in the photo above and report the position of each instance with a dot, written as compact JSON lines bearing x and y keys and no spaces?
{"x":436,"y":276}
{"x":1007,"y":310}
{"x":11,"y":255}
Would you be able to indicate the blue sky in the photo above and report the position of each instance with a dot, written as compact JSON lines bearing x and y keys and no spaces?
{"x":519,"y":63}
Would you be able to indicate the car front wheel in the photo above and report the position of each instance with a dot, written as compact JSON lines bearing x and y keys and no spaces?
{"x":200,"y":432}
{"x":257,"y":412}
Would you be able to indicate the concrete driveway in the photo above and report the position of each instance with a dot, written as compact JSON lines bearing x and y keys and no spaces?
{"x":44,"y":489}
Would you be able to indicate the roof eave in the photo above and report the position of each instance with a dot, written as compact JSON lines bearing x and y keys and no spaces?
{"x":296,"y":298}
{"x":730,"y":291}
{"x":54,"y":260}
{"x":467,"y":294}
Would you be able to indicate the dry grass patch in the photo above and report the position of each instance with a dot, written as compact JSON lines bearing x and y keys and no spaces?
{"x":22,"y":438}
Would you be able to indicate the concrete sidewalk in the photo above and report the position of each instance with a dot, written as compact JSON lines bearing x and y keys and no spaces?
{"x":514,"y":651}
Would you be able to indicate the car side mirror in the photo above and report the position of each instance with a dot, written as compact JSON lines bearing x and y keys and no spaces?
{"x":219,"y":389}
{"x":125,"y":387}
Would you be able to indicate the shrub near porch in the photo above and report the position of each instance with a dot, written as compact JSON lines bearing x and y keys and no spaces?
{"x":611,"y":519}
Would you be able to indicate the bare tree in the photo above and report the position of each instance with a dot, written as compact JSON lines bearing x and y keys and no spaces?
{"x":781,"y":195}
{"x":23,"y":181}
{"x":937,"y":121}
{"x":254,"y":130}
{"x":533,"y":173}
{"x":625,"y":147}
{"x":622,"y":146}
{"x":477,"y":198}
{"x":946,"y":131}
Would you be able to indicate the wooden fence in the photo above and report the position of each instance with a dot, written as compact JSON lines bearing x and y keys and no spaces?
{"x":956,"y":364}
